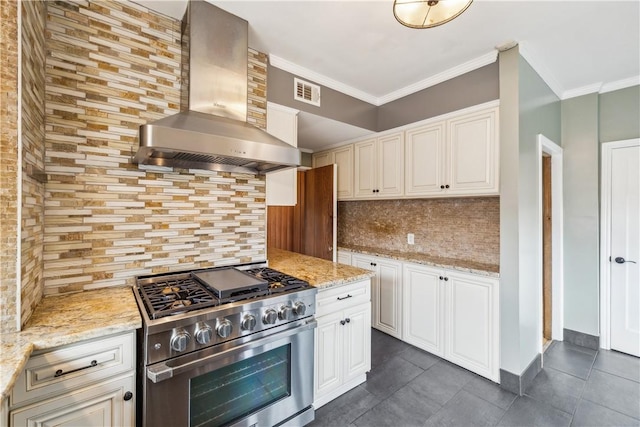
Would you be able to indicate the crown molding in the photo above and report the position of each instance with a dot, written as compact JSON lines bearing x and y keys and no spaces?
{"x":320,"y":79}
{"x":481,"y":61}
{"x":541,"y":68}
{"x":579,"y":91}
{"x":620,"y":84}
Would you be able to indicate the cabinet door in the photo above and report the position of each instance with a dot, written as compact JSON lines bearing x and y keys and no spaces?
{"x":344,"y":257}
{"x":365,"y":173}
{"x":343,"y":157}
{"x":282,"y":122}
{"x":388,"y":303}
{"x":390,"y":165}
{"x":322,"y":159}
{"x":424,"y":160}
{"x":473,"y":154}
{"x":423,"y":293}
{"x":357,"y":341}
{"x":328,"y":354}
{"x":97,"y":406}
{"x":368,"y":263}
{"x":472,"y":323}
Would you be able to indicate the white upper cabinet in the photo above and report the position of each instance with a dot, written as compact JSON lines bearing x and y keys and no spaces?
{"x":379,"y":167}
{"x":282,"y":122}
{"x":424,"y":161}
{"x":343,"y":157}
{"x":456,"y":157}
{"x":473,"y":154}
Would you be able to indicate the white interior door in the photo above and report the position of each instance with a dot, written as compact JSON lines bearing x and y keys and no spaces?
{"x":624,"y":251}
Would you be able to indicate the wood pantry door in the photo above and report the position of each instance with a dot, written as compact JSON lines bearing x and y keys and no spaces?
{"x":309,"y":226}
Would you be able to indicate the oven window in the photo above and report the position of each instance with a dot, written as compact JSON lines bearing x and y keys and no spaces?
{"x":235,"y":391}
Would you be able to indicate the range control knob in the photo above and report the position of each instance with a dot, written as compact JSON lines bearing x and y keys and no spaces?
{"x":179,"y":340}
{"x":224,"y":328}
{"x":203,"y":333}
{"x":285,"y":312}
{"x":269,"y":317}
{"x":299,"y":308}
{"x":248,"y":322}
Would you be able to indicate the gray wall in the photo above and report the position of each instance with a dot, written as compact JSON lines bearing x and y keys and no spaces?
{"x":587,"y":121}
{"x":620,"y":114}
{"x":334,"y":105}
{"x":581,"y":212}
{"x":528,"y":107}
{"x":472,"y":88}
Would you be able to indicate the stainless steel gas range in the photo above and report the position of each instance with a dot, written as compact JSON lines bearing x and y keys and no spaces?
{"x":229,"y":346}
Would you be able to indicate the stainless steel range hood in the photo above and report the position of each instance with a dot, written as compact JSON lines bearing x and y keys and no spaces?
{"x":212,"y":133}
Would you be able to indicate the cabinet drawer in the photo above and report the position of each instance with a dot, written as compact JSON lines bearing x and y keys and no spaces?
{"x":74,"y":366}
{"x":338,"y":298}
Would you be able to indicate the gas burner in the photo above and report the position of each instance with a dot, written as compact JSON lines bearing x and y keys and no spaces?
{"x":278,"y":281}
{"x":172,"y":295}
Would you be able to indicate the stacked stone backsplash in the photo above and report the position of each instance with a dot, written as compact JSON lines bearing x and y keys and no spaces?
{"x":33,"y":154}
{"x":458,"y":228}
{"x":112,"y":66}
{"x":9,"y":201}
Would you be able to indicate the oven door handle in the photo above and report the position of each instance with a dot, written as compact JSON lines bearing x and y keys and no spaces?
{"x":162,"y":371}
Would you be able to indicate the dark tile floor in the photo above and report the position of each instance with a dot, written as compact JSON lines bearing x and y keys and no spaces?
{"x":409,"y":387}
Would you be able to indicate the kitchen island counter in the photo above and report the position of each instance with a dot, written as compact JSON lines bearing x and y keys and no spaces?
{"x":318,"y":272}
{"x":490,"y":270}
{"x":67,"y":319}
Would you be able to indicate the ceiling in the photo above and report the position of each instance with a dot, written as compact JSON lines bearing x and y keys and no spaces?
{"x":358,"y":48}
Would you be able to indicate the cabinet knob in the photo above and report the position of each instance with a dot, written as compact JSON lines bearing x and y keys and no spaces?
{"x":128,"y":396}
{"x":347,"y":320}
{"x":446,"y":186}
{"x":342,"y":322}
{"x":441,"y":278}
{"x":442,"y":187}
{"x":446,"y":279}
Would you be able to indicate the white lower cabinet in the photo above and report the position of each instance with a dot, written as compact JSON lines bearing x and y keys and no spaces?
{"x":89,"y":384}
{"x":342,"y":341}
{"x":386,"y":292}
{"x":453,"y":315}
{"x":99,"y":405}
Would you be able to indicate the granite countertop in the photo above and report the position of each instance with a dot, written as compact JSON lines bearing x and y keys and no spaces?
{"x":490,"y":270}
{"x":67,"y":319}
{"x":318,"y":272}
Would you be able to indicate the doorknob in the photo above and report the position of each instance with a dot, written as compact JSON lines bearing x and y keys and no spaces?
{"x":621,"y":260}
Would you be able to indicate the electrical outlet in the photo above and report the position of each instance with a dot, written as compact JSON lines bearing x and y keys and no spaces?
{"x":411,"y":239}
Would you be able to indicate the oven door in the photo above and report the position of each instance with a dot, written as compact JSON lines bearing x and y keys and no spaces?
{"x":260,"y":382}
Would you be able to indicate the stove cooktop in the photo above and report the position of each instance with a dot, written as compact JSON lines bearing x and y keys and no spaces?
{"x":170,"y":294}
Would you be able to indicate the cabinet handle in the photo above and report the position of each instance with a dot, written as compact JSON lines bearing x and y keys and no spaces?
{"x":348,"y":296}
{"x":441,"y":278}
{"x":446,"y":279}
{"x":446,"y":186}
{"x":347,"y":320}
{"x":442,"y":187}
{"x":60,"y":372}
{"x":342,"y":322}
{"x":128,"y":396}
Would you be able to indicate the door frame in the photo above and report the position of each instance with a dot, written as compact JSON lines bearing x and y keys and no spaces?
{"x":545,"y":145}
{"x":605,"y":237}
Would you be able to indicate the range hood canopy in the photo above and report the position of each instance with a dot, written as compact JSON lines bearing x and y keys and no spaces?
{"x":212,"y":133}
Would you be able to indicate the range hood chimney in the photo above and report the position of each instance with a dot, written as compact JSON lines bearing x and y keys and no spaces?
{"x":212,"y":133}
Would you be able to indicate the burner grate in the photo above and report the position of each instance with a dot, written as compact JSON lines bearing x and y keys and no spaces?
{"x":173,"y":296}
{"x":278,"y":281}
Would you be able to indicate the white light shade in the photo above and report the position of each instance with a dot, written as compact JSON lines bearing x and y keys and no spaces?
{"x":428,"y":13}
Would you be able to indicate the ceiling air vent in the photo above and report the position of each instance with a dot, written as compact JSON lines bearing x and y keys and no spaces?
{"x":306,"y":92}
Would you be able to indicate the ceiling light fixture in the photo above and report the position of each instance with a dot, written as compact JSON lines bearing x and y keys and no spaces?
{"x":428,"y":13}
